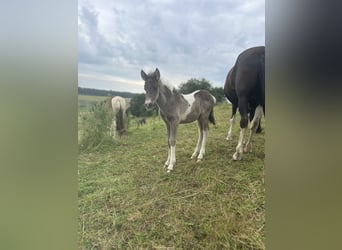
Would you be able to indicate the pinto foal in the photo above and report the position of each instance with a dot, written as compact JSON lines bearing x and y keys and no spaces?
{"x":176,"y":108}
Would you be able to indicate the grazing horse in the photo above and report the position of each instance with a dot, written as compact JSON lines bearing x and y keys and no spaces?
{"x":230,"y":94}
{"x":245,"y":88}
{"x":118,"y":105}
{"x":176,"y":108}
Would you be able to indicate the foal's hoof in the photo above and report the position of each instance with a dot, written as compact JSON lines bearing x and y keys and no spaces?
{"x":228,"y":138}
{"x":194,"y":155}
{"x":247,"y":148}
{"x":237,"y":156}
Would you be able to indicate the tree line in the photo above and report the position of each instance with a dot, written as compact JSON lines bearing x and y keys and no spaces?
{"x":102,"y":92}
{"x":136,"y":106}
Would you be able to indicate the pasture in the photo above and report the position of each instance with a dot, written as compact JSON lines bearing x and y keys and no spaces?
{"x":126,"y":200}
{"x":86,"y":101}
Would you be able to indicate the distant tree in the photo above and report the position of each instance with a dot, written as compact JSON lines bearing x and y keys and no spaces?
{"x":218,"y":93}
{"x":137,"y":107}
{"x":196,"y":84}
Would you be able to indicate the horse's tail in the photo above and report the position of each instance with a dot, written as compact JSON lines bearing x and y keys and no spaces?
{"x":211,"y":114}
{"x":211,"y":117}
{"x":109,"y":102}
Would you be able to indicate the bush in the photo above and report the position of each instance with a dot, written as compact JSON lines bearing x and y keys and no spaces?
{"x":95,"y":126}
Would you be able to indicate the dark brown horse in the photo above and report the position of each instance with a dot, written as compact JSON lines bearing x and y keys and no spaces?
{"x":245,"y":89}
{"x":230,"y":94}
{"x":176,"y":108}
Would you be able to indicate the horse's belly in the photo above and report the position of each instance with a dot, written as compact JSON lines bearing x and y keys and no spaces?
{"x":189,"y":117}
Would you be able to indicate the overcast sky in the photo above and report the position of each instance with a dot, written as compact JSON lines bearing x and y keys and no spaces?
{"x":183,"y":38}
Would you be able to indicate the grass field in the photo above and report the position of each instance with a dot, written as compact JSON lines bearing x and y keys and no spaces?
{"x":86,"y":101}
{"x":128,"y":201}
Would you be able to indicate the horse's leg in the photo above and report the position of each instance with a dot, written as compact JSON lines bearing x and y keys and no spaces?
{"x":254,"y":125}
{"x":232,"y":122}
{"x":199,"y":141}
{"x":172,"y":142}
{"x":243,"y":109}
{"x":168,"y":143}
{"x":113,"y":128}
{"x":205,"y":131}
{"x":251,"y":116}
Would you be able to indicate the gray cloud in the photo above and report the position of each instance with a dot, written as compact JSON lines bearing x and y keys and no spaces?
{"x":183,"y":39}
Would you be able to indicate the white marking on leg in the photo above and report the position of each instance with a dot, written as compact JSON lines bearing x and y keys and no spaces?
{"x":254,"y":125}
{"x":239,"y":148}
{"x":231,"y":125}
{"x":198,"y":145}
{"x":168,"y":158}
{"x":172,"y":158}
{"x":202,"y":151}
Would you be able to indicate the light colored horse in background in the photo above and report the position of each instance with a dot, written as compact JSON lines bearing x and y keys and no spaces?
{"x":118,"y":105}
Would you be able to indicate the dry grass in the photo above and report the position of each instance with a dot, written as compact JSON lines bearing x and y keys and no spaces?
{"x":128,"y":201}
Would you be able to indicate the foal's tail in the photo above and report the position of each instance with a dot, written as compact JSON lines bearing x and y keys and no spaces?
{"x":211,"y":114}
{"x":211,"y":117}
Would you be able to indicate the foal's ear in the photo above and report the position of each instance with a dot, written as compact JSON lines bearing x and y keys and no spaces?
{"x":143,"y":75}
{"x":157,"y":74}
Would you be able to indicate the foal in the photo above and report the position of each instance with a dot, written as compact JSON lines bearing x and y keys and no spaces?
{"x":176,"y":108}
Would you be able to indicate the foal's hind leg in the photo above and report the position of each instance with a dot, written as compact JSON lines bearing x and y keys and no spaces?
{"x":204,"y":140}
{"x":199,"y":142}
{"x":204,"y":128}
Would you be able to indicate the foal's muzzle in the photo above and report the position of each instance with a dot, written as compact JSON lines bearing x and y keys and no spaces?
{"x":148,"y":105}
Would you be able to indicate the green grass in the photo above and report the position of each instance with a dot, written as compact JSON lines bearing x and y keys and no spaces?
{"x":86,"y":101}
{"x":128,"y":201}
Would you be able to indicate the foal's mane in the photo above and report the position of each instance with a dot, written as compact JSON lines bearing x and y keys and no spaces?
{"x":166,"y":84}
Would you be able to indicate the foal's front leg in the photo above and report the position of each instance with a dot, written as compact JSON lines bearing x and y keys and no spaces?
{"x":168,"y":142}
{"x":172,"y":146}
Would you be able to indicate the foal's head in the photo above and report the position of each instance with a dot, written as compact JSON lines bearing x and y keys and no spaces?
{"x":151,"y":87}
